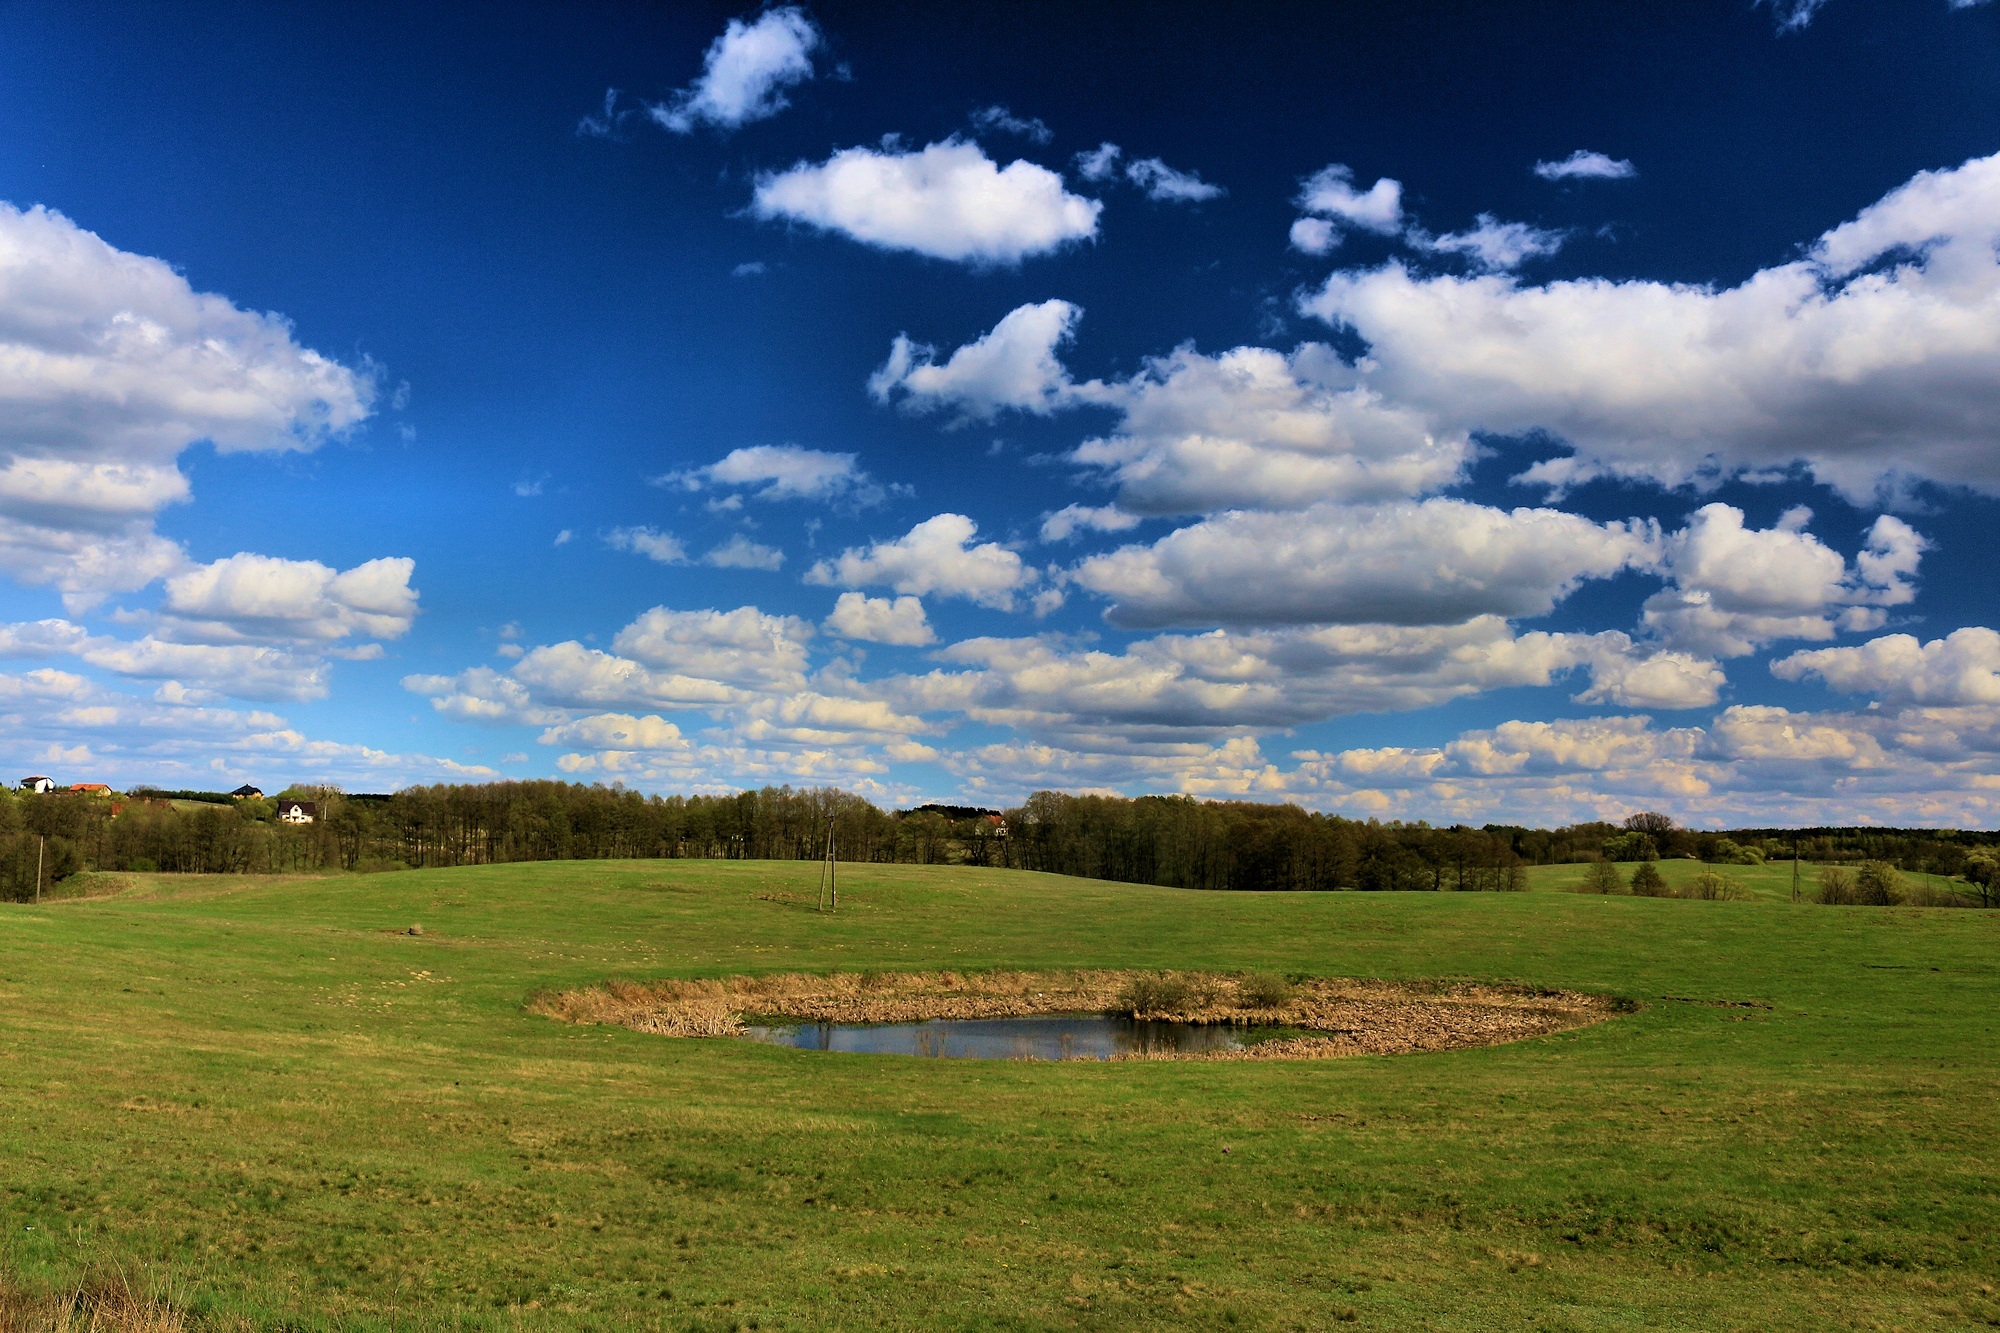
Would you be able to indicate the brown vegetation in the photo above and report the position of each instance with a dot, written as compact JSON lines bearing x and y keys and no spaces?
{"x":99,"y":1305}
{"x":1337,"y":1016}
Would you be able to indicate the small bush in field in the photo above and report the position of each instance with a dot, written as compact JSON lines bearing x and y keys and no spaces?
{"x":1648,"y":882}
{"x":1713,"y":886}
{"x":1153,"y":994}
{"x":1836,"y":886}
{"x":1263,"y":990}
{"x":1603,"y":877}
{"x":1877,"y":884}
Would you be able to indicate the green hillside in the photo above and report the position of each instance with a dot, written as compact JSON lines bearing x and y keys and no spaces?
{"x":267,"y":1100}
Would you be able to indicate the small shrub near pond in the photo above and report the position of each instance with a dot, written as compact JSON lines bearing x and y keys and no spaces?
{"x":1263,"y":990}
{"x":1153,"y":993}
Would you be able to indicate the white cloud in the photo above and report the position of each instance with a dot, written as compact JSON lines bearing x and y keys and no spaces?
{"x":1438,"y":561}
{"x":1197,"y":433}
{"x":1171,"y":688}
{"x":1961,"y":668}
{"x":1167,"y":185}
{"x":1001,"y":119}
{"x":618,"y":731}
{"x":1671,"y":680}
{"x":934,"y":557}
{"x":247,"y":598}
{"x":784,"y":472}
{"x":744,"y":73}
{"x":1586,"y":165}
{"x":650,"y":542}
{"x":1332,"y":204}
{"x":1315,"y":236}
{"x":1255,"y":427}
{"x":110,"y":366}
{"x":948,"y":200}
{"x":1100,"y":163}
{"x":1736,"y":588}
{"x":1873,"y":361}
{"x":1072,"y":519}
{"x":880,"y":620}
{"x":1493,"y":245}
{"x":739,"y":552}
{"x":245,"y":671}
{"x":1012,"y":366}
{"x":1793,"y":15}
{"x":744,"y":646}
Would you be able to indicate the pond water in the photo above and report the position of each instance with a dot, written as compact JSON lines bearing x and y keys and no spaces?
{"x":1042,"y":1037}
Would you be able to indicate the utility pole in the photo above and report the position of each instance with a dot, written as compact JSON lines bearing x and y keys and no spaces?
{"x":829,"y":893}
{"x":41,"y":846}
{"x":1795,"y":867}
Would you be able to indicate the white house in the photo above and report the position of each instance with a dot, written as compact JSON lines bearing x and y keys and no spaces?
{"x":298,"y":812}
{"x":38,"y":784}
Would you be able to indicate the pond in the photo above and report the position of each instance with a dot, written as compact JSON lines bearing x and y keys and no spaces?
{"x":1041,"y":1037}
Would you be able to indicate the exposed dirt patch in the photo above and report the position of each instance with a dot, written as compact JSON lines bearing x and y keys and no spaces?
{"x":1339,"y":1016}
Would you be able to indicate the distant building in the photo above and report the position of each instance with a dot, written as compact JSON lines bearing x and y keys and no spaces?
{"x":90,"y":788}
{"x":38,"y":784}
{"x":993,"y":826}
{"x":246,"y":792}
{"x":298,"y":812}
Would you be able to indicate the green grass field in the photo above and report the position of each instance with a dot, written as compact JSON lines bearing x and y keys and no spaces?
{"x":259,"y":1097}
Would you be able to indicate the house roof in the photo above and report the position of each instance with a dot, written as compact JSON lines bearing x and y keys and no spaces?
{"x":90,"y":786}
{"x":247,"y":790}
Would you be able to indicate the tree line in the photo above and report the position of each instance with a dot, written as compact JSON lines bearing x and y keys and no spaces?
{"x":1175,"y":841}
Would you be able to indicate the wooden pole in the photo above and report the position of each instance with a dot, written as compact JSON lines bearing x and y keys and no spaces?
{"x":1795,"y":867}
{"x":829,"y":891}
{"x":40,"y":847}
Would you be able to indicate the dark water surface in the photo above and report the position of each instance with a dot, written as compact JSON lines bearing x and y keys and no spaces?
{"x":1043,"y":1037}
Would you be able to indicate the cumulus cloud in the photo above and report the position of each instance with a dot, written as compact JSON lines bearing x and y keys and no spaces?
{"x":655,"y":545}
{"x":1437,"y":561}
{"x":1586,"y":165}
{"x":936,"y":557}
{"x":1961,"y":668}
{"x":618,"y":731}
{"x":247,"y":598}
{"x":1012,"y":366}
{"x":1670,"y":680}
{"x":1493,"y":245}
{"x":1006,"y":122}
{"x":1735,"y":588}
{"x":1247,"y":427}
{"x":744,"y":74}
{"x":783,"y":472}
{"x":868,"y":619}
{"x":1253,"y":426}
{"x":1873,"y":361}
{"x":1171,"y":689}
{"x":739,"y":552}
{"x":1332,"y":205}
{"x":948,"y":201}
{"x":111,"y":365}
{"x":1165,"y":184}
{"x":744,"y":646}
{"x":1070,"y":520}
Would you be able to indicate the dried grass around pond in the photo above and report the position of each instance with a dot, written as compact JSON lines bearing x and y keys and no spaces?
{"x":1336,"y":1016}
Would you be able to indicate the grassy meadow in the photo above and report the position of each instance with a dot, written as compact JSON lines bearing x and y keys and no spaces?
{"x":267,"y":1102}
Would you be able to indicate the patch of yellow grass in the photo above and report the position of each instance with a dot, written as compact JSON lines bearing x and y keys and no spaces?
{"x":1338,"y":1016}
{"x":101,"y":1305}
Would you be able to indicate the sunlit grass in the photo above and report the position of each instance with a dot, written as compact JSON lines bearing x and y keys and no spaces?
{"x":273,"y":1095}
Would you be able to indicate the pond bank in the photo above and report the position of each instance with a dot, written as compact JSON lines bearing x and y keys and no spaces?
{"x":1338,"y":1016}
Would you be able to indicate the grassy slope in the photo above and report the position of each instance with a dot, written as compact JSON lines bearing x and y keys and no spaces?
{"x":256,"y":1088}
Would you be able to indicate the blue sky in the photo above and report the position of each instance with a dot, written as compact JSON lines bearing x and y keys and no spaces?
{"x":1520,"y":413}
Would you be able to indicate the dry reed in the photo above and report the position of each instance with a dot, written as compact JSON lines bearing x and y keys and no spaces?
{"x":1337,"y":1016}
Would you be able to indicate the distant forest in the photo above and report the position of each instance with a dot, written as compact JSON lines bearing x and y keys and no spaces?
{"x":1168,"y":840}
